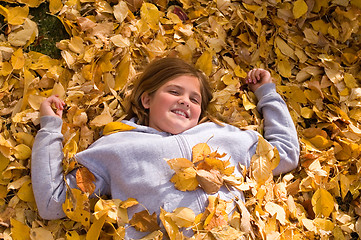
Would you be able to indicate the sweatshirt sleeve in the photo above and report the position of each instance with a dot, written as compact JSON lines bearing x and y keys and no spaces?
{"x":46,"y":168}
{"x":47,"y":174}
{"x":279,"y":128}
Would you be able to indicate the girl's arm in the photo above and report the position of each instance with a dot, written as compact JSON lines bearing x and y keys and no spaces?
{"x":279,"y":128}
{"x":46,"y":168}
{"x":46,"y":162}
{"x":47,"y":175}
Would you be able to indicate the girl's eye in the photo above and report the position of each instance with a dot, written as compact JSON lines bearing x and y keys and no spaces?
{"x":195,"y":100}
{"x":174,"y":92}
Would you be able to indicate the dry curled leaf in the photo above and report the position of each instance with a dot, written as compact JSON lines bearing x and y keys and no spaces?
{"x":85,"y":180}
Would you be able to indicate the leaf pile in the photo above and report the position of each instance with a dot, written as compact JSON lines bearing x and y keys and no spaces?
{"x":206,"y":170}
{"x":311,"y":47}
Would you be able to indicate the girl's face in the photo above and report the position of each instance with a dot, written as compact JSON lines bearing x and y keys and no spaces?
{"x":175,"y":106}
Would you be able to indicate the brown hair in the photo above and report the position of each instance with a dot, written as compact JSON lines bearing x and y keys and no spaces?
{"x":155,"y":75}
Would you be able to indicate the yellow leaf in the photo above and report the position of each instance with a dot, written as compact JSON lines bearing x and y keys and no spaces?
{"x":321,"y":26}
{"x":22,"y":152}
{"x":4,"y":162}
{"x":25,"y":193}
{"x":261,"y":166}
{"x":129,"y":203}
{"x":150,"y":14}
{"x":6,"y":69}
{"x":261,"y":12}
{"x":157,"y":235}
{"x":120,"y":11}
{"x":322,"y":203}
{"x":35,"y":101}
{"x":229,"y":80}
{"x":321,"y":142}
{"x":19,"y":231}
{"x":108,"y":208}
{"x":218,"y":216}
{"x":247,"y":104}
{"x":25,"y":35}
{"x":350,"y":81}
{"x":40,"y":233}
{"x":356,"y":3}
{"x":94,"y":230}
{"x":334,"y":32}
{"x":239,"y":72}
{"x":103,"y":119}
{"x":122,"y":73}
{"x":169,"y":225}
{"x":114,"y":127}
{"x":75,"y":207}
{"x":72,"y":235}
{"x":105,"y":63}
{"x":226,"y":232}
{"x":183,"y":217}
{"x":275,"y":209}
{"x":323,"y":224}
{"x":308,"y":224}
{"x":284,"y":67}
{"x":120,"y":233}
{"x":18,"y":59}
{"x":55,"y":6}
{"x":15,"y":15}
{"x":76,"y":44}
{"x":284,"y":47}
{"x":178,"y":163}
{"x":299,"y":8}
{"x":185,"y":179}
{"x":58,"y":90}
{"x":307,"y":112}
{"x":204,"y":63}
{"x":200,"y":152}
{"x":345,"y":183}
{"x":70,"y":148}
{"x":120,"y":41}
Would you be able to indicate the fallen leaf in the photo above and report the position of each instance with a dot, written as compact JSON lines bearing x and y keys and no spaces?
{"x":114,"y":127}
{"x":144,"y":222}
{"x":85,"y":180}
{"x":322,"y":203}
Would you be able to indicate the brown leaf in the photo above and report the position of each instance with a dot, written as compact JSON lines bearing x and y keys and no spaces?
{"x":85,"y":180}
{"x":144,"y":222}
{"x":210,"y":181}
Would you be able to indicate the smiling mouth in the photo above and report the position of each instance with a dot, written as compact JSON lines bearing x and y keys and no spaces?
{"x":181,"y":113}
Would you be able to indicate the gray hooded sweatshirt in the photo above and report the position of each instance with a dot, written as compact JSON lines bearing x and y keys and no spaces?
{"x":132,"y":164}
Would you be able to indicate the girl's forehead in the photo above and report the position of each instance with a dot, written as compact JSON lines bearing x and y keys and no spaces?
{"x":185,"y":82}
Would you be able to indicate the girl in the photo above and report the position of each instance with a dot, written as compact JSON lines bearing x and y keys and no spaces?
{"x":165,"y":106}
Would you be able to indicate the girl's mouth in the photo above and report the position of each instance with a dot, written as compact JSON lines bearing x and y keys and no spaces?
{"x":181,"y":113}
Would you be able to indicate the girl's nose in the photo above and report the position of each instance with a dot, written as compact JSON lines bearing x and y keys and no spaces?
{"x":183,"y":102}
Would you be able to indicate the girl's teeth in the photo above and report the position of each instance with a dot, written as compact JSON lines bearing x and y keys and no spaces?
{"x":180,"y":113}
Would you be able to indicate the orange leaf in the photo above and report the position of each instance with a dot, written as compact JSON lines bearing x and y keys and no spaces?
{"x":84,"y":180}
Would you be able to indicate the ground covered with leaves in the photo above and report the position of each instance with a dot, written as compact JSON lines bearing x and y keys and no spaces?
{"x":311,"y":47}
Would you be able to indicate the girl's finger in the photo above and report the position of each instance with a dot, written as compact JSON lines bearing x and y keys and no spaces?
{"x":251,"y":75}
{"x":59,"y":113}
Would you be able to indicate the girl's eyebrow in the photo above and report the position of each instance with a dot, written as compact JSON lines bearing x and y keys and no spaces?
{"x":182,"y":88}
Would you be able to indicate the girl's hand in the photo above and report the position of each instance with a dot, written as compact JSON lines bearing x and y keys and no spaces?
{"x":257,"y":77}
{"x":46,"y":106}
